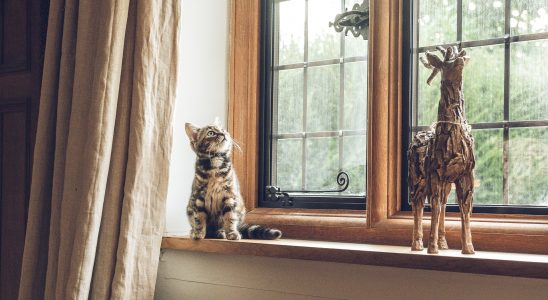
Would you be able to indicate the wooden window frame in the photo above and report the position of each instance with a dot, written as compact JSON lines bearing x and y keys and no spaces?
{"x":383,"y":222}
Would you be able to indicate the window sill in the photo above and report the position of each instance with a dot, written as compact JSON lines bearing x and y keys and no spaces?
{"x":490,"y":263}
{"x":503,"y":233}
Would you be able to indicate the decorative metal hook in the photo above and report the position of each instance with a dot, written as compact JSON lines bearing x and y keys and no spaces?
{"x":343,"y":180}
{"x":356,"y":21}
{"x":274,"y":193}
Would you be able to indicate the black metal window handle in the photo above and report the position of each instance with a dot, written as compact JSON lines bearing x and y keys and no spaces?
{"x":274,"y":193}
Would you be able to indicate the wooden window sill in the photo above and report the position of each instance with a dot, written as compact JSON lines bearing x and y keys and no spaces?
{"x":483,"y":262}
{"x":503,"y":233}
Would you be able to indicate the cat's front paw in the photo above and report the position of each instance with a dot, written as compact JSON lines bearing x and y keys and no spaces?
{"x":197,"y":234}
{"x":233,"y":235}
{"x":220,"y":234}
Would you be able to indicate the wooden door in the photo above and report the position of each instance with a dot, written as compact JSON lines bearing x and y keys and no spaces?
{"x":22,"y":36}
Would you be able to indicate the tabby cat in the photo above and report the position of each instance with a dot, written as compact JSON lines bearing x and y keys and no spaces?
{"x":216,"y":208}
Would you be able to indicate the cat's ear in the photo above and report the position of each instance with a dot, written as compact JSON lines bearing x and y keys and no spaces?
{"x":217,"y":122}
{"x":191,"y":132}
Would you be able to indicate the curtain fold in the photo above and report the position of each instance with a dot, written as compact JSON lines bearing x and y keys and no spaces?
{"x":101,"y":161}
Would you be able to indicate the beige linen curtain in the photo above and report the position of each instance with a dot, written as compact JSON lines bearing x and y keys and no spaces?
{"x":101,"y":161}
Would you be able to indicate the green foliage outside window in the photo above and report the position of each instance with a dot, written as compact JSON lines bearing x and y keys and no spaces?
{"x":484,"y":79}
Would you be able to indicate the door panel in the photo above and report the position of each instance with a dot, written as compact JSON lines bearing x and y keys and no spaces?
{"x":14,"y":162}
{"x":15,"y":36}
{"x":22,"y":39}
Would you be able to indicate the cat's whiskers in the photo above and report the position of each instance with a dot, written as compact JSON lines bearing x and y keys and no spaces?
{"x":236,"y":145}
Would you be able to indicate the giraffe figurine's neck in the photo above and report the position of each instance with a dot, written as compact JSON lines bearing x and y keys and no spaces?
{"x":451,"y":103}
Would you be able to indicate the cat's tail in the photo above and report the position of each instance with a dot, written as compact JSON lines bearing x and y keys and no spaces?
{"x":259,"y":232}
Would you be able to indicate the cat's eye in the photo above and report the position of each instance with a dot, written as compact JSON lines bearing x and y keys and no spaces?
{"x":210,"y":133}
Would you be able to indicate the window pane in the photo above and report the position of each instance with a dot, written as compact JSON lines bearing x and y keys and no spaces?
{"x":355,"y":156}
{"x":320,"y":100}
{"x":528,"y":16}
{"x":427,"y":96}
{"x":528,"y":166}
{"x":354,"y":46}
{"x":522,"y":150}
{"x":482,"y":19}
{"x":489,"y":166}
{"x":437,"y":22}
{"x":290,"y":101}
{"x":289,"y":164}
{"x":483,"y":87}
{"x":323,"y":41}
{"x":355,"y":96}
{"x":484,"y":84}
{"x":528,"y":80}
{"x":322,"y":163}
{"x":291,"y":31}
{"x":323,"y":98}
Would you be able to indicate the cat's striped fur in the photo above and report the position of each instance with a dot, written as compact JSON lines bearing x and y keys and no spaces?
{"x":216,"y":208}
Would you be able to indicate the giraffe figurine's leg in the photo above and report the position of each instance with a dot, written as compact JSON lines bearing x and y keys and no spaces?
{"x":417,"y":187}
{"x":434,"y":225}
{"x":465,"y":197}
{"x":442,"y":242}
{"x":436,"y":191}
{"x":418,"y":208}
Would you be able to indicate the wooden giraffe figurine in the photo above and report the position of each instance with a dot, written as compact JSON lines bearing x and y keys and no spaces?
{"x":443,"y":155}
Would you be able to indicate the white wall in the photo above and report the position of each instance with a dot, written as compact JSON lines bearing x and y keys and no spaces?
{"x":188,"y":275}
{"x":202,"y":95}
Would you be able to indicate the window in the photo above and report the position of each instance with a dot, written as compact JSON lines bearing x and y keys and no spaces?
{"x":505,"y":91}
{"x":385,"y":221}
{"x":314,"y":106}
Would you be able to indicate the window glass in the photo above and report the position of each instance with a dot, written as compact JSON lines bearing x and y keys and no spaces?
{"x":482,"y":19}
{"x":505,"y":90}
{"x":437,"y":22}
{"x":290,"y":31}
{"x":528,"y":80}
{"x":319,"y":99}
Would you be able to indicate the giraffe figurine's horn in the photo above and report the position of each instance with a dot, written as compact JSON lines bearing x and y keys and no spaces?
{"x":432,"y":76}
